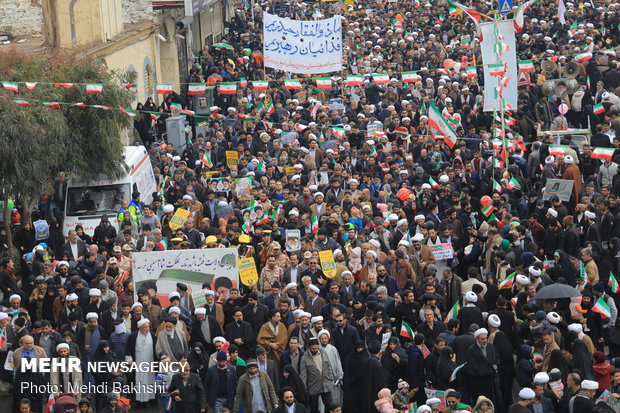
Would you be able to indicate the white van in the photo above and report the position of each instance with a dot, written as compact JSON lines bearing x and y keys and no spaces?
{"x":86,"y":203}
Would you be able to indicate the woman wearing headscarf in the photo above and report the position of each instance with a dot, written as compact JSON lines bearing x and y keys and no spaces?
{"x":354,"y":377}
{"x":394,"y":361}
{"x":198,"y":360}
{"x":290,"y":378}
{"x":580,"y":357}
{"x":143,"y":124}
{"x":557,"y":361}
{"x":103,"y":354}
{"x":445,"y":367}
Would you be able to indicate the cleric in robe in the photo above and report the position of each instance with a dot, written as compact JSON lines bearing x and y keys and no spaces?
{"x":482,"y":368}
{"x":171,"y":343}
{"x":273,"y":335}
{"x":141,"y":348}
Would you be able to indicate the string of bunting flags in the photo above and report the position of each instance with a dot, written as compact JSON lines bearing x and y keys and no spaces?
{"x":326,"y":83}
{"x":499,"y":145}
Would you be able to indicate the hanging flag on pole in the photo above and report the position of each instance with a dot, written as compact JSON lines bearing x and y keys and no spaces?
{"x":561,"y":11}
{"x":453,"y":313}
{"x":437,"y":122}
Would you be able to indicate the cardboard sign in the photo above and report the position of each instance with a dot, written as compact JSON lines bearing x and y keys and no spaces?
{"x":328,"y":265}
{"x":178,"y":219}
{"x":442,"y":251}
{"x":563,"y":188}
{"x":247,"y":271}
{"x":232,"y":159}
{"x":199,"y":298}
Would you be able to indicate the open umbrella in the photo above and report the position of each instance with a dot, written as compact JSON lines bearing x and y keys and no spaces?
{"x":556,"y":291}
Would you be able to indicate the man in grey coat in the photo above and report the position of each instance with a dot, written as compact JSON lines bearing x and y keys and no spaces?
{"x":316,"y":372}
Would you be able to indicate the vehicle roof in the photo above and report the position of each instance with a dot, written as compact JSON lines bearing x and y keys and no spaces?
{"x":133,"y":154}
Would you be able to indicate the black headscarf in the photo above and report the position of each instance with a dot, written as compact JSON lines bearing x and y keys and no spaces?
{"x":445,"y":365}
{"x":582,"y":360}
{"x":294,"y":382}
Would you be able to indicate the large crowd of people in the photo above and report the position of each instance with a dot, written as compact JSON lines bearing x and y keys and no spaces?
{"x":462,"y":282}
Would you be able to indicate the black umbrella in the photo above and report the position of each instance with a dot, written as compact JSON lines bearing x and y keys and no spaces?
{"x":556,"y":291}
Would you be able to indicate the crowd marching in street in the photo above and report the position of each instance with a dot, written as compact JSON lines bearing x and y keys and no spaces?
{"x":464,"y":280}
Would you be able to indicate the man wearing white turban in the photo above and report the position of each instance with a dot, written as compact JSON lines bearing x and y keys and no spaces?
{"x":141,"y":348}
{"x":62,"y":379}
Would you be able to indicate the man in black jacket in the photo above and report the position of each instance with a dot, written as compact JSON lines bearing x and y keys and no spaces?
{"x":188,"y":392}
{"x":219,"y":396}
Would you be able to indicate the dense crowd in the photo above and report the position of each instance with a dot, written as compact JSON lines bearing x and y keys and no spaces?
{"x":462,"y":282}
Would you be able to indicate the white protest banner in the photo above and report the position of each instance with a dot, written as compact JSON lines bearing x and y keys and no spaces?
{"x":563,"y":188}
{"x":442,"y":251}
{"x":307,"y":47}
{"x":487,"y":47}
{"x":215,"y":266}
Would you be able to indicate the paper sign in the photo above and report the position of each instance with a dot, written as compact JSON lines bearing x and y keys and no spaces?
{"x":384,"y":340}
{"x":178,"y":219}
{"x":288,"y":137}
{"x":293,"y":240}
{"x":243,"y":186}
{"x":232,"y":159}
{"x":209,"y":174}
{"x":328,"y":265}
{"x":219,"y":184}
{"x":8,"y":363}
{"x":289,"y":170}
{"x":336,"y":104}
{"x":199,"y":298}
{"x":442,"y":251}
{"x":247,"y":271}
{"x":563,"y":188}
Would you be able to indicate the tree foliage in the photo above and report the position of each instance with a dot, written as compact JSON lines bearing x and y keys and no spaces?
{"x":38,"y":142}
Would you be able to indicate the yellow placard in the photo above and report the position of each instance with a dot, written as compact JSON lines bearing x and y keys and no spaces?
{"x":247,"y":271}
{"x":232,"y":159}
{"x":178,"y":219}
{"x":209,"y":174}
{"x":289,"y":170}
{"x":328,"y":265}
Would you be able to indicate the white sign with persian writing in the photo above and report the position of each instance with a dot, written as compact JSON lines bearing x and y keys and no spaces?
{"x":193,"y":267}
{"x":300,"y":46}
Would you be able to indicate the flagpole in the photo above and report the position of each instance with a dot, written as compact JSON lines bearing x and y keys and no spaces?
{"x":499,"y":82}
